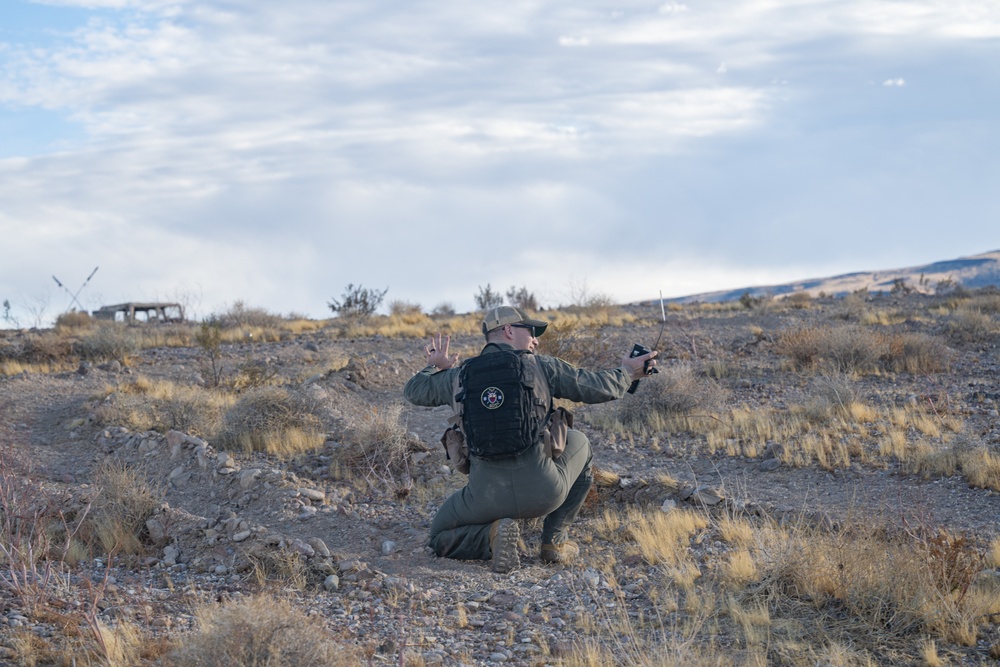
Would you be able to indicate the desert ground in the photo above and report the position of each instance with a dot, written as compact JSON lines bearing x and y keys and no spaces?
{"x":810,"y":481}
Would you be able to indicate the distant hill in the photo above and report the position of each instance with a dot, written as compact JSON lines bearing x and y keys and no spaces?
{"x":971,"y":272}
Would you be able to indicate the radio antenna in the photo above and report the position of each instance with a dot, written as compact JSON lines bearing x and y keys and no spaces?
{"x":663,"y":322}
{"x":73,"y":296}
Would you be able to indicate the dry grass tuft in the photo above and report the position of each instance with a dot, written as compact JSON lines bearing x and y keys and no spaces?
{"x":674,"y":392}
{"x":273,"y":420}
{"x":887,"y":581}
{"x":379,"y":446}
{"x":259,"y":631}
{"x":971,"y":323}
{"x":844,"y":349}
{"x":981,"y":468}
{"x":160,"y":405}
{"x":73,"y":320}
{"x":856,"y":349}
{"x":108,"y":341}
{"x":917,"y":353}
{"x":663,"y":539}
{"x":125,"y":500}
{"x":577,"y":338}
{"x":831,"y":396}
{"x":37,"y":349}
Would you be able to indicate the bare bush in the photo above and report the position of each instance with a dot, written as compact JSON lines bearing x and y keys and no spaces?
{"x":259,"y":631}
{"x":880,"y":577}
{"x":239,"y":315}
{"x":109,"y":342}
{"x":985,"y":302}
{"x":273,"y":420}
{"x":831,"y":395}
{"x":522,"y":298}
{"x":578,"y":340}
{"x":73,"y":320}
{"x":916,"y":353}
{"x":31,"y":558}
{"x":443,"y":309}
{"x":379,"y":446}
{"x":145,"y":405}
{"x":674,"y":392}
{"x":487,"y":299}
{"x":125,"y":499}
{"x":799,"y":300}
{"x":357,"y":302}
{"x":46,"y":348}
{"x":970,"y":323}
{"x":843,"y":349}
{"x":399,"y":307}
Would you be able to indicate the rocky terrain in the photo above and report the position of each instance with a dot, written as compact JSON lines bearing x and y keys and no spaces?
{"x":346,"y":543}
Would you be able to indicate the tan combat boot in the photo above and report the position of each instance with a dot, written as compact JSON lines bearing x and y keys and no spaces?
{"x":564,"y":552}
{"x":505,"y":535}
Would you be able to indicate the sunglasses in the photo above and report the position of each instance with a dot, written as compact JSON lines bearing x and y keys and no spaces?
{"x":534,"y":330}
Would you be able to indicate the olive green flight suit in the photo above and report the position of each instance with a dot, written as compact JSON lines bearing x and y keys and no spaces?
{"x":528,"y":485}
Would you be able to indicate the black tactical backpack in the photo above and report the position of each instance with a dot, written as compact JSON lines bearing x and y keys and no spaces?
{"x":503,"y":401}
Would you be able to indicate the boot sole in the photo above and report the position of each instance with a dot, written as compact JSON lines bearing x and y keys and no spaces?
{"x":505,"y":555}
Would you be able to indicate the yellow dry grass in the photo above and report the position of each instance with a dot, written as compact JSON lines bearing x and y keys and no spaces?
{"x":143,"y":404}
{"x":261,"y":630}
{"x":662,"y":538}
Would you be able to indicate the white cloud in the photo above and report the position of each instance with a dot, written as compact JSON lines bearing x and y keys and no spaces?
{"x":673,"y":8}
{"x":281,"y":143}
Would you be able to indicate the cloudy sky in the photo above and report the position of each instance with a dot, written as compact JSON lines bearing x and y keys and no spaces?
{"x":273,"y":152}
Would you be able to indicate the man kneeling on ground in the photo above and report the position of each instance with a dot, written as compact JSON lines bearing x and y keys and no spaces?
{"x":508,"y":482}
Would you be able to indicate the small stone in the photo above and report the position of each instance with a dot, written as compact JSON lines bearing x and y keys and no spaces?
{"x":388,"y":547}
{"x":248,"y":477}
{"x":156,"y":530}
{"x":319,"y":546}
{"x":240,"y":536}
{"x":768,"y":465}
{"x":313,"y":494}
{"x":170,"y":555}
{"x":351,"y":566}
{"x":668,"y":506}
{"x":592,"y":577}
{"x":708,"y":496}
{"x":221,"y":569}
{"x":302,"y":548}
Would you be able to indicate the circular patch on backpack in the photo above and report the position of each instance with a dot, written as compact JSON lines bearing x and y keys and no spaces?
{"x":492,"y":398}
